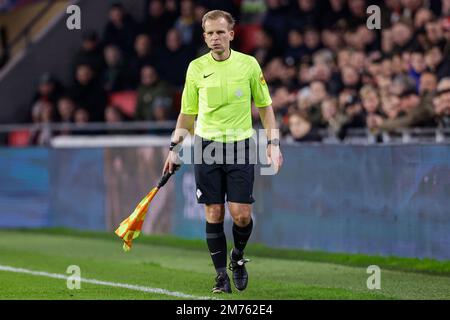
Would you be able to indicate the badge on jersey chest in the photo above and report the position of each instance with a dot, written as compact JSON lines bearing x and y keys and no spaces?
{"x":238,"y":93}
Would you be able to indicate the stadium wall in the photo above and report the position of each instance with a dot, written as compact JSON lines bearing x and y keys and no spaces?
{"x":380,"y":200}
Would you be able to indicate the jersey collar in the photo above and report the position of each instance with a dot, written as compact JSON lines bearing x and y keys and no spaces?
{"x":228,"y":60}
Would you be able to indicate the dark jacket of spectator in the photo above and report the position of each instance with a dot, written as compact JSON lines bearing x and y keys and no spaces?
{"x":123,"y":36}
{"x":91,"y":97}
{"x":148,"y":96}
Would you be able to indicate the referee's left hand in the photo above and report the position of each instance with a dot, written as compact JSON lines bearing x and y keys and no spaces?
{"x":274,"y":157}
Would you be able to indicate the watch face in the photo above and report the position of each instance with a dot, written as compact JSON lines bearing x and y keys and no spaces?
{"x":275,"y":142}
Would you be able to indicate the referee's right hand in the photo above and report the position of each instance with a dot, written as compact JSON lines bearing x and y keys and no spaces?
{"x":173,"y":162}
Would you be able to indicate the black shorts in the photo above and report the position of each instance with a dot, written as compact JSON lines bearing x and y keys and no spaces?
{"x":216,"y":179}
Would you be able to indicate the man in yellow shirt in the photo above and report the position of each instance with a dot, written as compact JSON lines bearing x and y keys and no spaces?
{"x":218,"y":92}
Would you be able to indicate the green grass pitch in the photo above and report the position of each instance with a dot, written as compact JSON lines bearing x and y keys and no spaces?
{"x":184,"y":266}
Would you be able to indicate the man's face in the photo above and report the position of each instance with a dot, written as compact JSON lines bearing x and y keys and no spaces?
{"x":371,"y":102}
{"x":116,"y":16}
{"x":142,"y":44}
{"x":218,"y":35}
{"x":442,"y":104}
{"x":84,"y":74}
{"x":298,"y":126}
{"x":173,"y":40}
{"x":409,"y":102}
{"x":148,"y":76}
{"x":428,"y":83}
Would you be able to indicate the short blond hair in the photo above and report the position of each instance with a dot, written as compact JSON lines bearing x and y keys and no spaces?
{"x":216,"y":14}
{"x":366,"y":90}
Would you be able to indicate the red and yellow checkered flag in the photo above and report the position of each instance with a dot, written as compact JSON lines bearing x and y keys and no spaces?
{"x":130,"y":228}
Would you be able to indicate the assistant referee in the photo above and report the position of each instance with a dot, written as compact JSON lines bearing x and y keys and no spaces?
{"x":218,"y":91}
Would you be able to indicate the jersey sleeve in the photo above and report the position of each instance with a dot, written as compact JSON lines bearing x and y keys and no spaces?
{"x":259,"y":88}
{"x":189,"y":98}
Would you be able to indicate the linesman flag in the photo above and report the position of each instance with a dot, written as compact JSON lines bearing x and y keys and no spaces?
{"x":130,"y":228}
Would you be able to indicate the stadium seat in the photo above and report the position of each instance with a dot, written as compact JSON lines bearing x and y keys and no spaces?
{"x":246,"y":36}
{"x":19,"y":138}
{"x":125,"y":101}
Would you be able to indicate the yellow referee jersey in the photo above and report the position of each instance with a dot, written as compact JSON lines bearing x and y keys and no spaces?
{"x":220,"y":93}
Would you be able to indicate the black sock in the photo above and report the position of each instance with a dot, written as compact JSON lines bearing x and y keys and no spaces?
{"x":217,"y":245}
{"x":241,"y":236}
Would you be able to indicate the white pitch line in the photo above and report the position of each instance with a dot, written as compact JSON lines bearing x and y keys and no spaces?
{"x":106,"y":283}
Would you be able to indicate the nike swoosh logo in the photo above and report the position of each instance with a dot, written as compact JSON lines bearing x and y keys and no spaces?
{"x":206,"y":76}
{"x":214,"y":253}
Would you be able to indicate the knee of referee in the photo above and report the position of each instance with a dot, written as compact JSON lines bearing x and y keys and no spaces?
{"x":215,"y":213}
{"x":241,"y":213}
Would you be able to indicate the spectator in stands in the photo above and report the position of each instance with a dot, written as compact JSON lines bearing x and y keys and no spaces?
{"x":265,"y":49}
{"x":334,"y":14}
{"x":332,"y":118}
{"x":434,"y":32}
{"x":43,"y":114}
{"x":90,"y":53}
{"x":114,"y":76}
{"x":441,"y":103}
{"x":417,"y":65}
{"x":120,"y":29}
{"x":282,"y":100}
{"x":81,"y":116}
{"x":150,"y":94}
{"x":275,"y":21}
{"x":357,"y":9}
{"x":353,"y":116}
{"x":350,"y":78}
{"x":422,"y":16}
{"x":331,"y":39}
{"x":49,"y":90}
{"x":417,"y":111}
{"x":88,"y":93}
{"x":198,"y":40}
{"x":157,"y":23}
{"x":304,"y":13}
{"x":113,"y":115}
{"x":66,"y":109}
{"x":318,"y":95}
{"x":295,"y":49}
{"x":174,"y":59}
{"x":400,"y":83}
{"x":428,"y":83}
{"x":437,"y":62}
{"x":390,"y":106}
{"x":185,"y":23}
{"x":301,"y":129}
{"x":311,"y":38}
{"x":65,"y":114}
{"x":143,"y":54}
{"x":402,"y":36}
{"x":370,"y":100}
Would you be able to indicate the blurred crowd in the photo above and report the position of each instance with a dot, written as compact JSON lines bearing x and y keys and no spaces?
{"x":326,"y":70}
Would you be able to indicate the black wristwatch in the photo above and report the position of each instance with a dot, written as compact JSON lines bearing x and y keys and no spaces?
{"x":172,"y":146}
{"x":274,"y":142}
